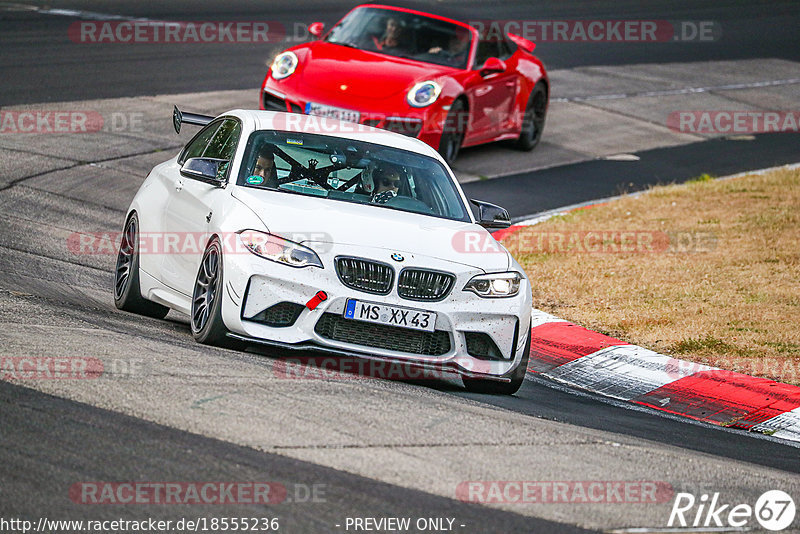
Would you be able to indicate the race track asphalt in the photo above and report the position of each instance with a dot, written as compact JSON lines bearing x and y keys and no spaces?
{"x":380,"y":448}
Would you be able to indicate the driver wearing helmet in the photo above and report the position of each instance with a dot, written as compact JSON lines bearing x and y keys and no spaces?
{"x":387,"y":182}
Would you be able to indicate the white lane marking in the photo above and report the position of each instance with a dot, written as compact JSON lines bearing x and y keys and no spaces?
{"x":623,"y":371}
{"x":86,"y":15}
{"x":622,"y":157}
{"x":785,"y":425}
{"x":536,"y":218}
{"x":759,"y":172}
{"x":11,"y":6}
{"x":681,"y":91}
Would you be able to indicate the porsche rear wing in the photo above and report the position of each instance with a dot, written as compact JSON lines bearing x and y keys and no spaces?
{"x":179,"y":117}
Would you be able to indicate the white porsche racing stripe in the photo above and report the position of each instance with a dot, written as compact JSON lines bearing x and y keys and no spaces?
{"x":85,"y":15}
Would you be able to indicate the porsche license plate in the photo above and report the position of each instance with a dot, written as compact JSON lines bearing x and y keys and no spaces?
{"x":389,"y":315}
{"x":332,"y":112}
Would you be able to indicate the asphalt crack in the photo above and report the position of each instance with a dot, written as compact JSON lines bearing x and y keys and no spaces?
{"x":18,"y":181}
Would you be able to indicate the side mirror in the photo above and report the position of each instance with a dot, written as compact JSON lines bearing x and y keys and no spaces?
{"x":491,"y":215}
{"x":316,"y":29}
{"x":209,"y":170}
{"x":492,"y":66}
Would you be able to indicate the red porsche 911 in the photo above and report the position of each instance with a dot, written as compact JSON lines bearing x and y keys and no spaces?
{"x":418,"y":74}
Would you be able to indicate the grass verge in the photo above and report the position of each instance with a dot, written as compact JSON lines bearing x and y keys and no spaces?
{"x":707,"y":271}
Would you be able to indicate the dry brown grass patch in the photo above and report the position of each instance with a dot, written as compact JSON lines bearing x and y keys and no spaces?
{"x":707,"y":271}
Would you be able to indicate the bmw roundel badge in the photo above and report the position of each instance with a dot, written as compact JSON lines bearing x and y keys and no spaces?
{"x":397,"y":257}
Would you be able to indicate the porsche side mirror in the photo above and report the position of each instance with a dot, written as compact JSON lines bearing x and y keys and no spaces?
{"x":492,"y":66}
{"x":209,"y":170}
{"x":316,"y":29}
{"x":491,"y":215}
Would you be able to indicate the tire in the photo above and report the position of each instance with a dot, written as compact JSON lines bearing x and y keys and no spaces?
{"x":127,"y":293}
{"x":477,"y":385}
{"x":206,"y":312}
{"x":455,"y":126}
{"x":533,"y":120}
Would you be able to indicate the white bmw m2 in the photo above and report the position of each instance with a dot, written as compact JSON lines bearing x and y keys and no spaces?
{"x":313,"y":234}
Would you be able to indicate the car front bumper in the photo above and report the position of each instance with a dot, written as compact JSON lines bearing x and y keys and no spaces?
{"x":425,"y":124}
{"x":254,"y":284}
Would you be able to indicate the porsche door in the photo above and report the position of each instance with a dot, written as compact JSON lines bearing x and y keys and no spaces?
{"x":491,"y":95}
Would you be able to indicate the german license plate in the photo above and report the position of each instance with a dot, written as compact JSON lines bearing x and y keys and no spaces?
{"x":332,"y":112}
{"x":389,"y":315}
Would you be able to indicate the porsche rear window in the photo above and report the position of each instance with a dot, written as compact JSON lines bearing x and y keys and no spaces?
{"x":347,"y":170}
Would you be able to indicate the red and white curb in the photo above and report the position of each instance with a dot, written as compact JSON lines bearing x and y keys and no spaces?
{"x":587,"y":360}
{"x":590,"y":361}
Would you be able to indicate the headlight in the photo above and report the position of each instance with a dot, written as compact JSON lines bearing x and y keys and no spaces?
{"x":279,"y":249}
{"x":423,"y":94}
{"x":283,"y":66}
{"x":495,"y":285}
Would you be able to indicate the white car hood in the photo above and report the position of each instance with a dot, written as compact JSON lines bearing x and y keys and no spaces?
{"x":310,"y":220}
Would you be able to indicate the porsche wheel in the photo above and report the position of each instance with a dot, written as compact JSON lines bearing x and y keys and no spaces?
{"x":533,"y":120}
{"x":455,"y":127}
{"x":476,"y":385}
{"x":127,"y":295}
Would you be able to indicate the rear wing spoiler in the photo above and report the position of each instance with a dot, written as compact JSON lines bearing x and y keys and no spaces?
{"x":521,"y":42}
{"x":179,"y":117}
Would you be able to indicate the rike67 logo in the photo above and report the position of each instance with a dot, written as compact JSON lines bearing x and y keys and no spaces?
{"x":774,"y":510}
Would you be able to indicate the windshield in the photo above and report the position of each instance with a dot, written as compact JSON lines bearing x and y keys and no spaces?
{"x":405,"y":35}
{"x":350,"y":171}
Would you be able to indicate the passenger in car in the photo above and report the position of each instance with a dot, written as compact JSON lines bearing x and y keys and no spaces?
{"x":457,"y":48}
{"x":390,"y":41}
